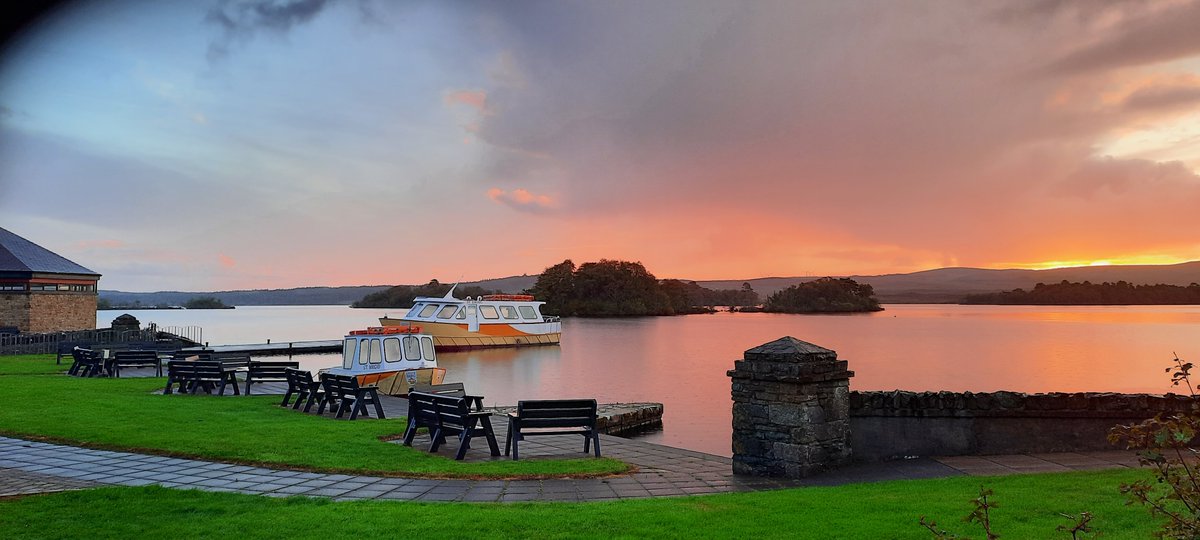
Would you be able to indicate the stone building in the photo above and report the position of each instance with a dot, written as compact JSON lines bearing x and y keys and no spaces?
{"x":41,"y":291}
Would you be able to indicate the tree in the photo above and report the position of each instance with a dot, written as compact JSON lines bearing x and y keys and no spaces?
{"x":556,"y":287}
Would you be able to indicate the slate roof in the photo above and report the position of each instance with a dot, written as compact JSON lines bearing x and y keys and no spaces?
{"x":20,"y":255}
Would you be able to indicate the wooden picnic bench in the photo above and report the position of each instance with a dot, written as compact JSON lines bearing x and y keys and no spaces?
{"x":301,"y":384}
{"x":86,"y":363}
{"x":448,"y":415}
{"x":344,"y":393}
{"x":260,"y":372}
{"x":552,"y":417}
{"x":134,"y":359}
{"x":449,"y":389}
{"x":192,"y":376}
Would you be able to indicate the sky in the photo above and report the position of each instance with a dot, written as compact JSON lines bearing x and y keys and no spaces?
{"x":214,"y":145}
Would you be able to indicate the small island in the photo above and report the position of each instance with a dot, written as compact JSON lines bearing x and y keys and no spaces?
{"x":1087,"y":293}
{"x":825,"y":295}
{"x":206,"y":302}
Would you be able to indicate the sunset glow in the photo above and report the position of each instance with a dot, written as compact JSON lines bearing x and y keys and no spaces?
{"x":215,"y":145}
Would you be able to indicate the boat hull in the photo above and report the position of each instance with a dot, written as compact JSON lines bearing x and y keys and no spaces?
{"x":449,"y":336}
{"x":398,"y":383}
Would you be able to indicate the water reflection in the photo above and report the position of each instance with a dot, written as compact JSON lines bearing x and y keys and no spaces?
{"x":681,"y":361}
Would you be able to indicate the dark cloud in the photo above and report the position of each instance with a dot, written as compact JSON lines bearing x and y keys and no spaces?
{"x":917,"y":125}
{"x":239,"y":20}
{"x":1147,"y":33}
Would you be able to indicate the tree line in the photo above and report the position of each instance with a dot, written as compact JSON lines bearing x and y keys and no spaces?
{"x":401,"y":296}
{"x":1088,"y":293}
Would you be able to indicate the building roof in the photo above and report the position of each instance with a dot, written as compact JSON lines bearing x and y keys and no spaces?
{"x":20,"y":255}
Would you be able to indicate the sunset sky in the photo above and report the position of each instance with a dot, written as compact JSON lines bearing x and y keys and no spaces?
{"x":195,"y":145}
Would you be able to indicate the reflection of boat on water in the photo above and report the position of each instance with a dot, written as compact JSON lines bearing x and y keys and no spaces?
{"x":494,"y":320}
{"x":394,"y":359}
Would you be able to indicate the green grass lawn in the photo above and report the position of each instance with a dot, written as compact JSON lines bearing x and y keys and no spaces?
{"x":125,"y":414}
{"x":1029,"y":507}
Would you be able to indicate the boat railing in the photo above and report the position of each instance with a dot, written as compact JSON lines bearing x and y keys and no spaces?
{"x":550,"y":318}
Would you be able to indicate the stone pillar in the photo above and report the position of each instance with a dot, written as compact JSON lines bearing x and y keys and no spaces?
{"x":791,"y":410}
{"x":126,"y":323}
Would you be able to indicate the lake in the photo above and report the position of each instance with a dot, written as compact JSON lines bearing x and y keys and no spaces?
{"x":681,"y":361}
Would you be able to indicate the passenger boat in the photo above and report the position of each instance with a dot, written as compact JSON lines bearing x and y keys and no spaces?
{"x":393,"y":359}
{"x":493,"y":320}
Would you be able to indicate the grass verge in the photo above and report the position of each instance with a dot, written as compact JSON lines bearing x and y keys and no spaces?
{"x":124,"y":414}
{"x":1029,"y":507}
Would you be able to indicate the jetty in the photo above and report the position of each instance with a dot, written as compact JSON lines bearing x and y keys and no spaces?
{"x":281,"y":348}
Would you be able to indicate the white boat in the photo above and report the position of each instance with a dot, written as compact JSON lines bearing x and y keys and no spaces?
{"x":494,"y":320}
{"x":393,"y":359}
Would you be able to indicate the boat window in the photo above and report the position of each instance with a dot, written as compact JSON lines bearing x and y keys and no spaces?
{"x":489,"y":312}
{"x":427,"y":347}
{"x":509,"y":312}
{"x":415,"y":309}
{"x":462,"y":314}
{"x":412,"y":349}
{"x":446,"y":312}
{"x":348,"y":353}
{"x":376,"y":351}
{"x":428,"y":311}
{"x":528,"y":313}
{"x":391,"y":350}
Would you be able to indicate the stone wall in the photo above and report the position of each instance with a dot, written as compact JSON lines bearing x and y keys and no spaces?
{"x":57,"y":312}
{"x":14,"y":310}
{"x":896,"y":424}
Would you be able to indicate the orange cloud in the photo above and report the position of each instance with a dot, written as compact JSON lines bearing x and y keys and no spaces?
{"x":226,"y":260}
{"x":521,"y":199}
{"x":476,"y":99}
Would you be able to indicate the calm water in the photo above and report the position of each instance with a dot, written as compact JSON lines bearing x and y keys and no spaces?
{"x":681,"y":361}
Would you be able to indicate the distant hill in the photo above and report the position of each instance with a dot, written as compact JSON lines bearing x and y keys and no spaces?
{"x":313,"y":296}
{"x":952,"y":284}
{"x":944,"y":285}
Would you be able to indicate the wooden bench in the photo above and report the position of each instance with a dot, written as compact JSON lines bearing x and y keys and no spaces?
{"x":553,"y":417}
{"x":86,"y":363}
{"x":447,"y":415}
{"x":134,"y":359}
{"x":302,"y":385}
{"x":449,"y":389}
{"x":67,"y":348}
{"x":343,"y":392}
{"x":261,"y":372}
{"x":192,"y":376}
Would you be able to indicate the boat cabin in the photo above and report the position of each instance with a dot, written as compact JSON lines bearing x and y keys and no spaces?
{"x":387,"y":349}
{"x":495,"y":308}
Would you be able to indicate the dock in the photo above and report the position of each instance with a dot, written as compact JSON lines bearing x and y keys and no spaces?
{"x":282,"y":348}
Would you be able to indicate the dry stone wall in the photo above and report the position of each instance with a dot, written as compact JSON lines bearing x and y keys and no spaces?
{"x":898,"y":424}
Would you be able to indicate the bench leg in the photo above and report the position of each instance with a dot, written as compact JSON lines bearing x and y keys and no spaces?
{"x":464,"y":438}
{"x":378,"y":407}
{"x":595,"y":438}
{"x":490,"y":434}
{"x":247,"y":386}
{"x":437,"y":438}
{"x":410,"y":431}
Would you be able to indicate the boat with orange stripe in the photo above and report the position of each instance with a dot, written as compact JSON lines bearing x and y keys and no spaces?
{"x":391,"y":358}
{"x":492,"y":320}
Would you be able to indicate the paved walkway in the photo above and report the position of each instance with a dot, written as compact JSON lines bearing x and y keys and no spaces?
{"x":35,"y":467}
